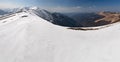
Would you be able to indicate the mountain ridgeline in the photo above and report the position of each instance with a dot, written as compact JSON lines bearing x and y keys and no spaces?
{"x":79,"y":19}
{"x":56,"y":18}
{"x":71,"y":19}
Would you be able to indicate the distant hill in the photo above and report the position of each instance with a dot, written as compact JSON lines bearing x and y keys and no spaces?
{"x":109,"y":17}
{"x":95,"y":19}
{"x":71,"y":19}
{"x":85,"y":19}
{"x":2,"y":12}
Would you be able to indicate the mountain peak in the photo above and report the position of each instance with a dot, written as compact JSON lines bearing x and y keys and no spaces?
{"x":34,"y":8}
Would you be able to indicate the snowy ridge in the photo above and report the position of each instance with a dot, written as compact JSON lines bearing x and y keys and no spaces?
{"x":42,"y":13}
{"x":26,"y":37}
{"x":55,"y":18}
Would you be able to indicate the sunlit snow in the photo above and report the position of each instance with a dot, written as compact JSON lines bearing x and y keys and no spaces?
{"x":25,"y":37}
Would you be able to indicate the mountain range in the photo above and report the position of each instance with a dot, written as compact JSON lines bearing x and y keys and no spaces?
{"x":55,"y":18}
{"x":2,"y":12}
{"x":70,"y":19}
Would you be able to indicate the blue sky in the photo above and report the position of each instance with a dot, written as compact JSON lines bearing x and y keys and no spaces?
{"x":65,"y":5}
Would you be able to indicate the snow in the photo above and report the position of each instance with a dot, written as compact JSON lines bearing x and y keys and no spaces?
{"x":33,"y":39}
{"x":42,"y":13}
{"x":34,"y":8}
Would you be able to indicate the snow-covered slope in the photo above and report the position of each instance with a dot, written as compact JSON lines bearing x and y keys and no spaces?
{"x":26,"y":37}
{"x":42,"y":13}
{"x":55,"y":18}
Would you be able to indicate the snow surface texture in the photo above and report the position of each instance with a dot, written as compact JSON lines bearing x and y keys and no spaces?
{"x":26,"y":37}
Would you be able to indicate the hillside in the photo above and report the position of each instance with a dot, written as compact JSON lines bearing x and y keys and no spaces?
{"x":95,"y":19}
{"x":109,"y":18}
{"x":26,"y":37}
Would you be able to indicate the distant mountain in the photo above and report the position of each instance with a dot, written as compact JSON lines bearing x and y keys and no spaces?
{"x":109,"y":18}
{"x":2,"y":12}
{"x":95,"y":19}
{"x":85,"y":19}
{"x":72,"y":19}
{"x":63,"y":20}
{"x":55,"y":18}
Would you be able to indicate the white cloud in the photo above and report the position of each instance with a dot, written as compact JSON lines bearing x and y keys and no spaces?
{"x":8,"y":5}
{"x":65,"y":9}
